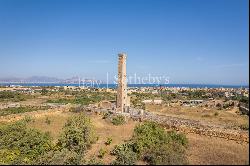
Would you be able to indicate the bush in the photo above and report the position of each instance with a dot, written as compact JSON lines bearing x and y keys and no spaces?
{"x":216,"y":114}
{"x":151,"y":143}
{"x":166,"y":154}
{"x":9,"y":156}
{"x":244,"y":127}
{"x":12,"y":96}
{"x":59,"y":157}
{"x":178,"y":138}
{"x":125,"y":154}
{"x":20,"y":145}
{"x":219,"y":106}
{"x":101,"y":153}
{"x":147,"y":135}
{"x":109,"y":141}
{"x":93,"y":161}
{"x":28,"y":119}
{"x":206,"y":116}
{"x":78,"y":134}
{"x":118,"y":120}
{"x":106,"y":115}
{"x":157,"y":146}
{"x":16,"y":110}
{"x":44,"y":91}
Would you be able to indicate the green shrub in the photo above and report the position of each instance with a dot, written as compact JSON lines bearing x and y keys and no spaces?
{"x":78,"y":134}
{"x":147,"y":135}
{"x":216,"y":114}
{"x":59,"y":157}
{"x":13,"y":96}
{"x":9,"y":156}
{"x":28,"y":119}
{"x":93,"y":161}
{"x":101,"y":153}
{"x":166,"y":154}
{"x":206,"y":116}
{"x":125,"y":154}
{"x":154,"y":145}
{"x":109,"y":141}
{"x":178,"y":138}
{"x":20,"y":145}
{"x":106,"y":115}
{"x":244,"y":126}
{"x":44,"y":91}
{"x":118,"y":120}
{"x":16,"y":110}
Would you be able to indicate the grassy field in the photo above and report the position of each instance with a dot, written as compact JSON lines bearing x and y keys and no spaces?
{"x":54,"y":127}
{"x":224,"y":117}
{"x":216,"y":151}
{"x":17,"y":110}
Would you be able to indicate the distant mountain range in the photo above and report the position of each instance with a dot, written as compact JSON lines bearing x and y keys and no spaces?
{"x":44,"y":79}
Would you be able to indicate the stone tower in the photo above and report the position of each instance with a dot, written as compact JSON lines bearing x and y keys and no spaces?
{"x":122,"y":99}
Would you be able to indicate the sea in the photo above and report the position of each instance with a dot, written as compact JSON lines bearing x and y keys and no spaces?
{"x":129,"y":85}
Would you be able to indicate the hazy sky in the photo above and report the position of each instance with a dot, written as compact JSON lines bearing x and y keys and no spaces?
{"x":189,"y":41}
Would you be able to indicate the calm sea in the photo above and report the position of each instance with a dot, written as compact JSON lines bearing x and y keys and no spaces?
{"x":130,"y":85}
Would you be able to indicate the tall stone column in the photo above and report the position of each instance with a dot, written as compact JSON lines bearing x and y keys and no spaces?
{"x":121,"y":103}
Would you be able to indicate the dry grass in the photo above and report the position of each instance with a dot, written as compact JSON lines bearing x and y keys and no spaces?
{"x":56,"y":125}
{"x":224,"y":117}
{"x":201,"y":150}
{"x":33,"y":102}
{"x":105,"y":129}
{"x":205,"y":150}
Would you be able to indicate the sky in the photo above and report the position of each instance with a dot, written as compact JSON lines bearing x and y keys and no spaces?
{"x":187,"y":41}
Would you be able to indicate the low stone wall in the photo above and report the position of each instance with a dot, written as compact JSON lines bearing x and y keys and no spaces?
{"x":197,"y":127}
{"x":244,"y":110}
{"x":184,"y":125}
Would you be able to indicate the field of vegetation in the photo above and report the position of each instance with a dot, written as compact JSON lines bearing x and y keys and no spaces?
{"x":16,"y":110}
{"x":78,"y":138}
{"x":84,"y":98}
{"x":13,"y":96}
{"x":20,"y":144}
{"x":87,"y":138}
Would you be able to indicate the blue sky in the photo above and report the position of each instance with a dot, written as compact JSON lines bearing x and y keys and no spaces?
{"x":189,"y":41}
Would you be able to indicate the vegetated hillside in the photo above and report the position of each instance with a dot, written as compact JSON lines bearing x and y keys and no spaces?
{"x":20,"y":144}
{"x":114,"y":144}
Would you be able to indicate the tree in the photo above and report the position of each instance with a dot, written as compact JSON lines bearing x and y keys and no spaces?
{"x":44,"y":91}
{"x":78,"y":134}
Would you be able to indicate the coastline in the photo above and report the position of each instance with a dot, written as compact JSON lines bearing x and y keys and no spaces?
{"x":129,"y":85}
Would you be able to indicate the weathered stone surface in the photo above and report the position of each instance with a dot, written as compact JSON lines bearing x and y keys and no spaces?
{"x":122,"y":103}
